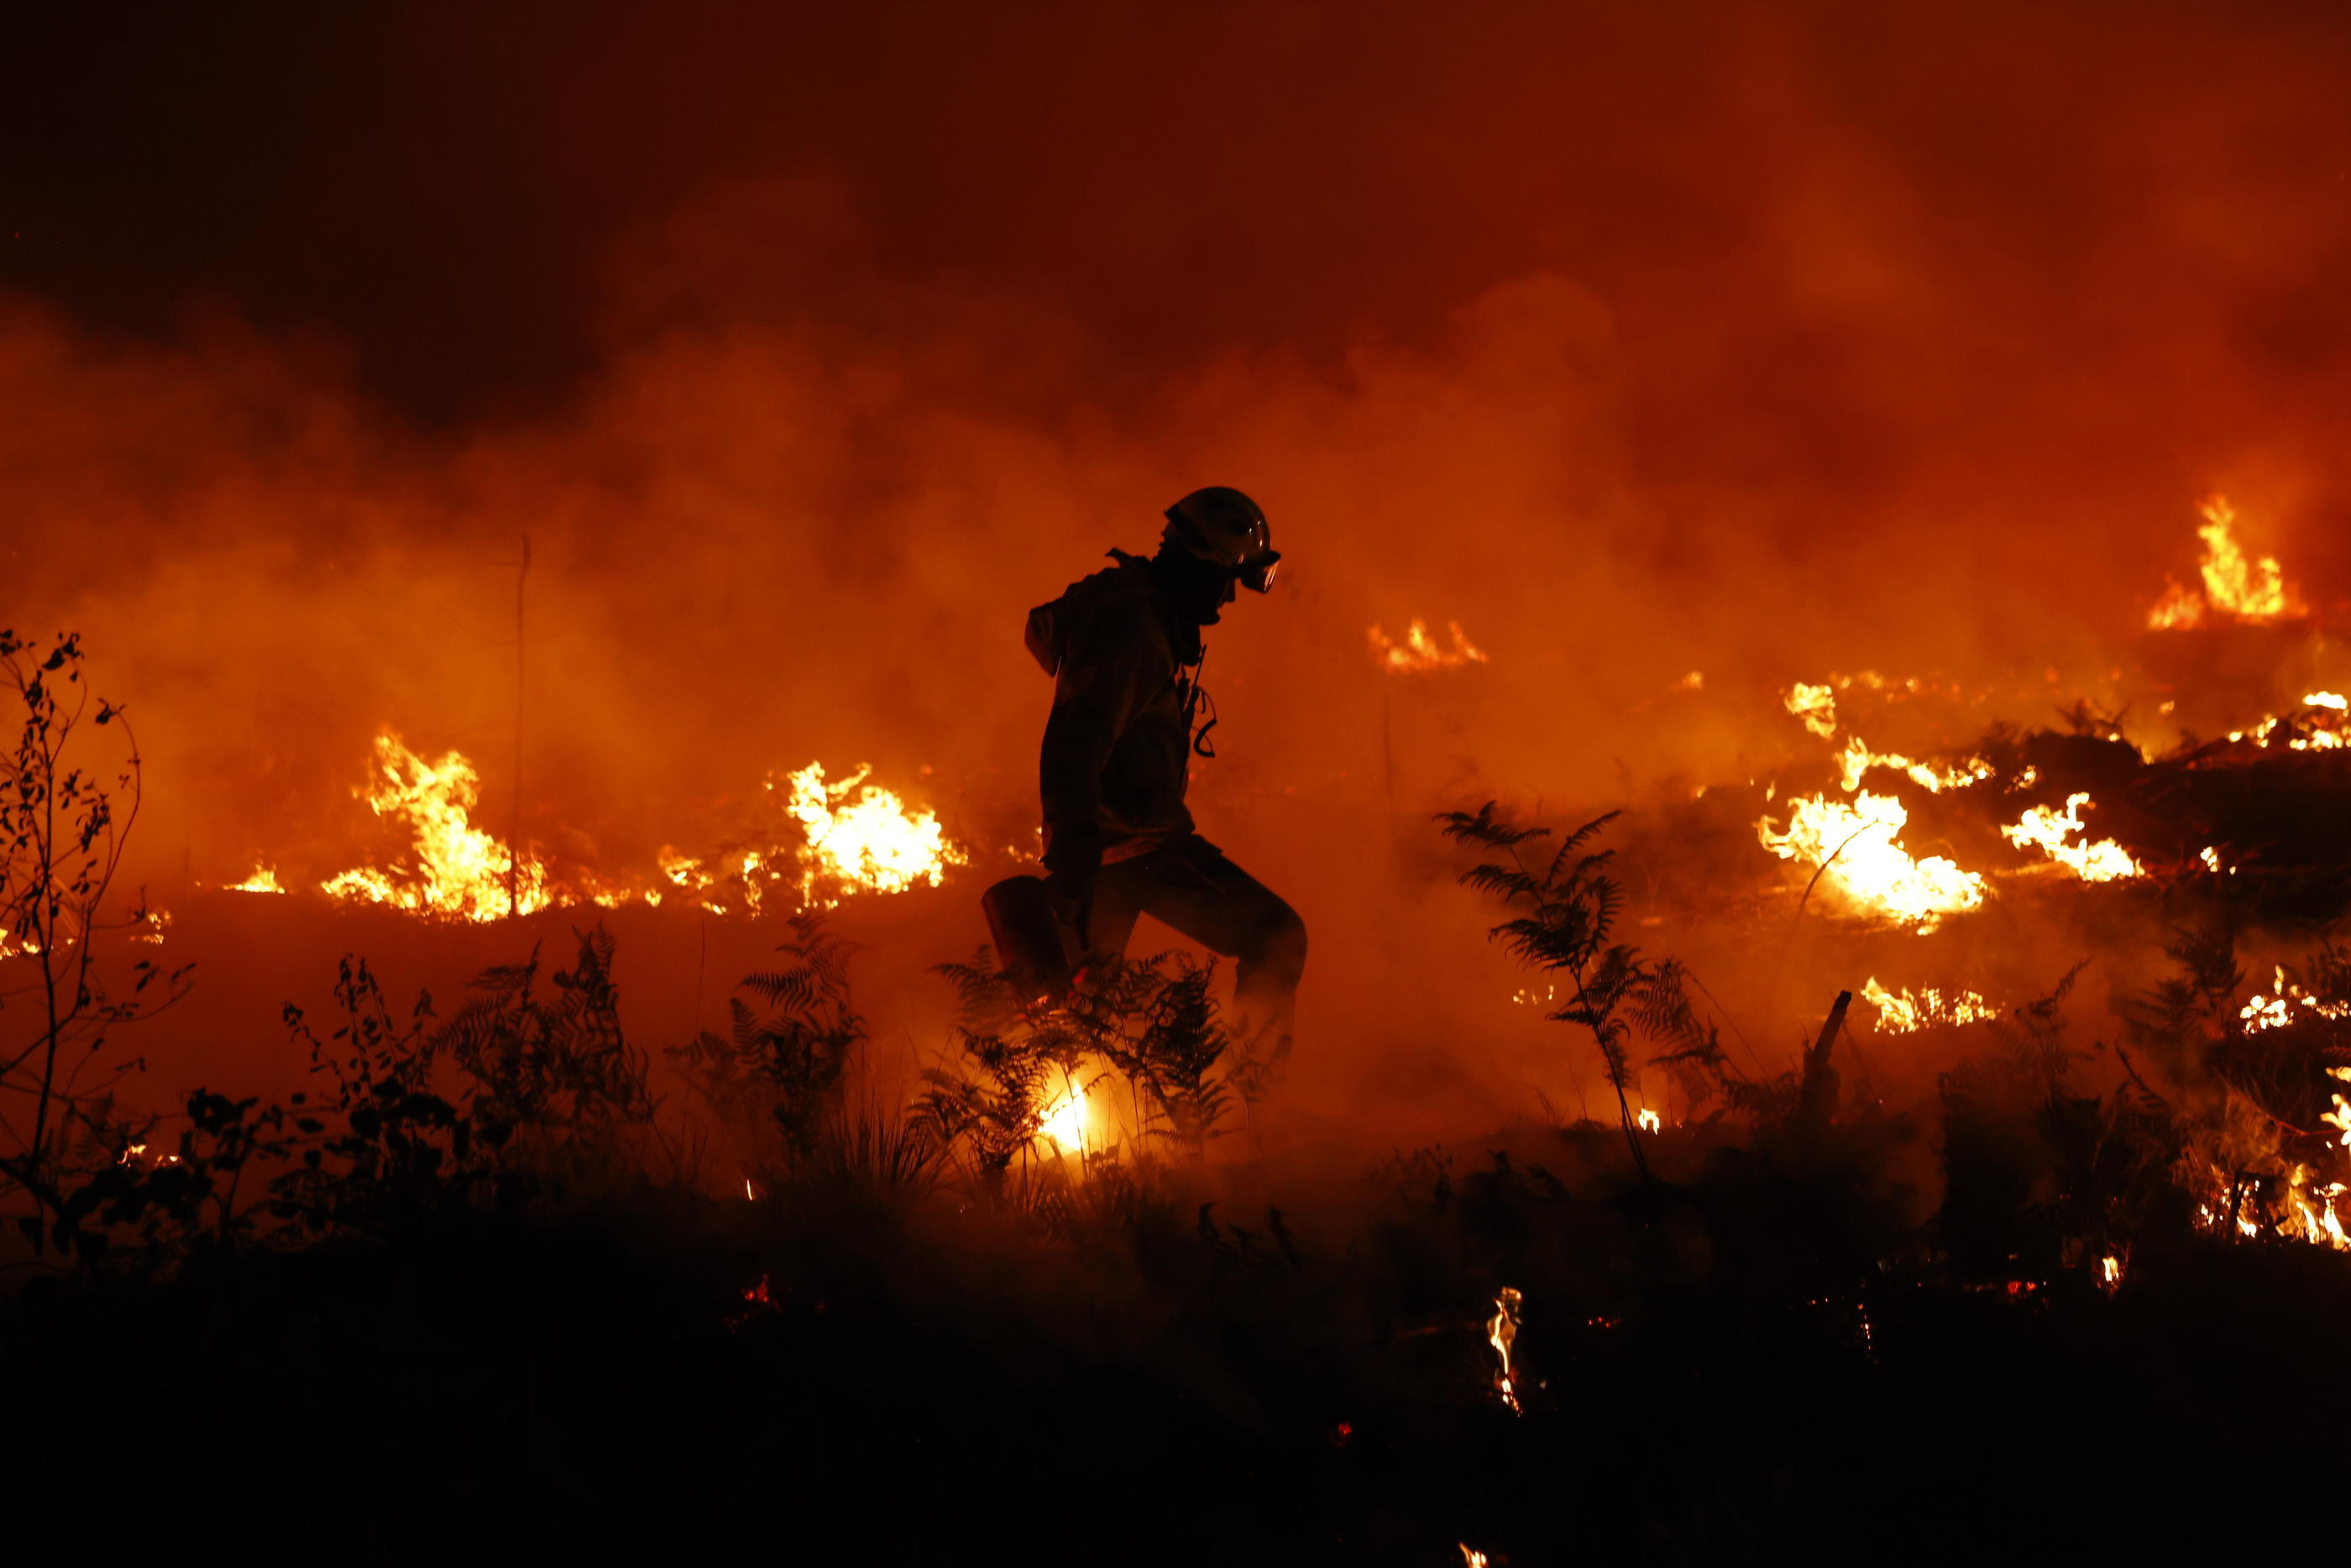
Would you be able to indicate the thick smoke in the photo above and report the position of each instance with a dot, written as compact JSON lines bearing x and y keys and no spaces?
{"x":808,"y":353}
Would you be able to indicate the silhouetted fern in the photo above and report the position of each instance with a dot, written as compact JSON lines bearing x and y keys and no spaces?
{"x":1571,"y":908}
{"x":1151,"y":1024}
{"x":558,"y":1065}
{"x":785,"y":1060}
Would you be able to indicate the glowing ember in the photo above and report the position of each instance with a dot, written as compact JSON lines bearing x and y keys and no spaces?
{"x":263,"y":880}
{"x":2285,"y":1005}
{"x":1863,"y":863}
{"x":1419,"y":652}
{"x":2046,"y":828}
{"x":1501,"y":1332}
{"x":458,"y":870}
{"x":1648,"y":1119}
{"x":1857,"y":759}
{"x":1903,"y":1013}
{"x":2236,"y":585}
{"x":1815,"y":706}
{"x":2110,"y":1272}
{"x":870,"y":844}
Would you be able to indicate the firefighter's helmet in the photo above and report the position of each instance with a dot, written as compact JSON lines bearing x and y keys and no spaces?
{"x":1223,"y":525}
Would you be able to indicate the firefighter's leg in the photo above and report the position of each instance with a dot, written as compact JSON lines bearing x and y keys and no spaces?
{"x":1120,"y":892}
{"x":1199,"y":892}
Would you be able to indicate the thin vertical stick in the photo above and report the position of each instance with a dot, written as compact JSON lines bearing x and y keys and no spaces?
{"x":514,"y":821}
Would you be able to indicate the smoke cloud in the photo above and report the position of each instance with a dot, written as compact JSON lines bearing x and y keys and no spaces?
{"x":808,"y":348}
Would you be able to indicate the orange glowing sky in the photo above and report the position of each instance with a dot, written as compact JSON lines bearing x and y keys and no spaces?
{"x":812,"y":344}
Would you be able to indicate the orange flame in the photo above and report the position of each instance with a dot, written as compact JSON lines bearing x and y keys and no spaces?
{"x":459,"y":871}
{"x":2046,"y":828}
{"x":1501,"y":1332}
{"x":2339,"y":1117}
{"x":1065,"y":1121}
{"x":1814,"y":706}
{"x":860,"y":837}
{"x":872,"y":843}
{"x":2242,"y":587}
{"x":1902,"y":1013}
{"x":1857,"y":759}
{"x":2320,"y":1224}
{"x":2276,"y":1010}
{"x":1419,"y":652}
{"x":2321,"y":725}
{"x":1861,"y":860}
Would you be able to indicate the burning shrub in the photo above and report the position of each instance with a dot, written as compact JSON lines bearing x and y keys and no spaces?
{"x":2258,"y":1114}
{"x":1028,"y":1072}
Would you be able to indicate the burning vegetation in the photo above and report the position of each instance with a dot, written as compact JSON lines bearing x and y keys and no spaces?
{"x":2235,"y":586}
{"x":2091,"y":1164}
{"x":1420,"y":653}
{"x":2085,"y":1165}
{"x":854,"y":837}
{"x":1829,"y":1028}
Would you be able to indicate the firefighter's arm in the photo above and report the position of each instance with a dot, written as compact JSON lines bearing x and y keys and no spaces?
{"x":1094,"y":699}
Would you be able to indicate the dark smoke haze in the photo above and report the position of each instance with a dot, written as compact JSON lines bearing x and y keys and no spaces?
{"x":810,"y":345}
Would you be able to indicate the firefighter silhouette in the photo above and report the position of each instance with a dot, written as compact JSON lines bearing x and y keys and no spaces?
{"x":1124,"y":650}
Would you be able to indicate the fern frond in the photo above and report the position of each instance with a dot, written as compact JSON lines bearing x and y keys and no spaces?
{"x":794,"y":988}
{"x":1508,"y":882}
{"x":1485,"y":827}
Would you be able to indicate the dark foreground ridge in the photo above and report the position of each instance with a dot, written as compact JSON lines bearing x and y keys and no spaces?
{"x":834,"y":1385}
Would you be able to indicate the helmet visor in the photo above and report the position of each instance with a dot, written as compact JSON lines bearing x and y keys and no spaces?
{"x":1255,"y":574}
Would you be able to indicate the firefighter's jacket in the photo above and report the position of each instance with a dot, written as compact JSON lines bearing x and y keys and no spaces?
{"x":1118,"y":744}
